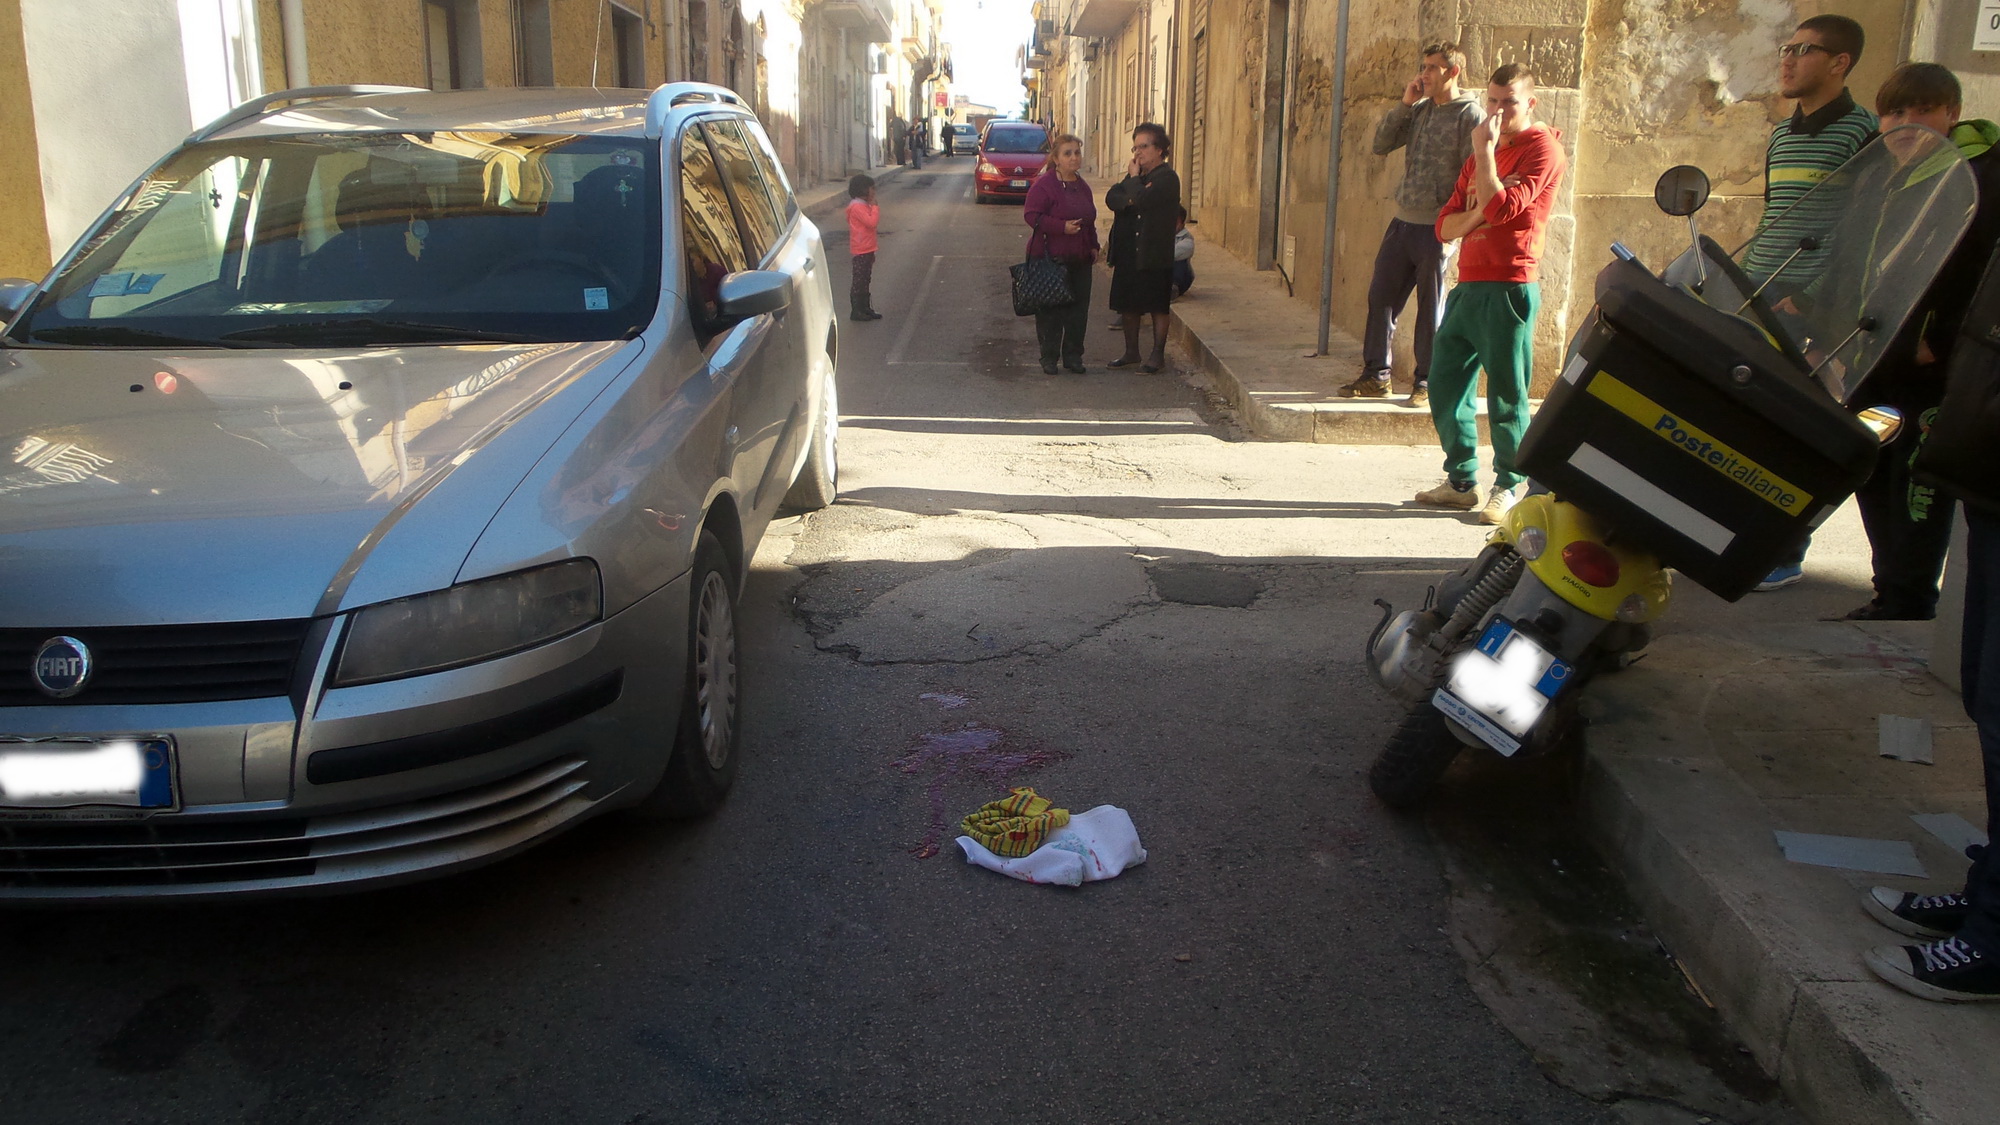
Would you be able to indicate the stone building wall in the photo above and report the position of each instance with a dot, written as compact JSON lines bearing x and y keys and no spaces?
{"x":24,"y":245}
{"x":1635,"y":86}
{"x":1941,"y":31}
{"x":1223,"y":195}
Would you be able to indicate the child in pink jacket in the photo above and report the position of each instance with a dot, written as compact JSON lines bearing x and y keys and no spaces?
{"x":863,"y":215}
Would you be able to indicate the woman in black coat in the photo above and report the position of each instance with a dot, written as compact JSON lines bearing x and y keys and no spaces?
{"x":1145,"y":206}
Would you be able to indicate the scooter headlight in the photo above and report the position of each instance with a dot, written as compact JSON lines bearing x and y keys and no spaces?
{"x":1633,"y":609}
{"x":1531,"y":542}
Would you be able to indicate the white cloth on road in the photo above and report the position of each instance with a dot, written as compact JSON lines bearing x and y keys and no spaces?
{"x":1094,"y":845}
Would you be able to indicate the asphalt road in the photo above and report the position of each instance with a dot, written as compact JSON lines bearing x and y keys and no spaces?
{"x":1082,"y":583}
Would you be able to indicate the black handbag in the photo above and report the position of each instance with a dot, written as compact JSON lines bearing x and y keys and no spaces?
{"x":1040,"y":284}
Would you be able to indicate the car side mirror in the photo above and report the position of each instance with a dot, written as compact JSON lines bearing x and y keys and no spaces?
{"x":749,"y":293}
{"x":1681,"y":190}
{"x":15,"y":293}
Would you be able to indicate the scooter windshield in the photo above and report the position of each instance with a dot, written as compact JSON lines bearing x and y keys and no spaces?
{"x":1840,"y":271}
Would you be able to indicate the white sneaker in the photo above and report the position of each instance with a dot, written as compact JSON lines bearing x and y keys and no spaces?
{"x":1497,"y":504}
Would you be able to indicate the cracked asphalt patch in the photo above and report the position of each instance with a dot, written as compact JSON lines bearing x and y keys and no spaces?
{"x":962,"y":588}
{"x":1191,"y":584}
{"x":1038,"y":602}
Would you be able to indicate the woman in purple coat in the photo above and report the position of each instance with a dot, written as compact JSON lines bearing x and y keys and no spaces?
{"x":1064,"y":218}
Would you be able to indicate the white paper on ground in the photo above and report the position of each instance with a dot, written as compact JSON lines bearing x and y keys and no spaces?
{"x":1852,"y":853}
{"x":1094,"y":845}
{"x":1904,"y":739}
{"x":1957,"y":832}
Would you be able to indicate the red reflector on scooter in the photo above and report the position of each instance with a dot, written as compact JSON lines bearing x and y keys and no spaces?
{"x":1592,"y":563}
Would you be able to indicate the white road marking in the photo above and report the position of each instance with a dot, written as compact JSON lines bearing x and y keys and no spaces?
{"x":915,"y":313}
{"x":916,"y":317}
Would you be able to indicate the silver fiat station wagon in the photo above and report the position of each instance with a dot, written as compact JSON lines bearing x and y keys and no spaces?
{"x":381,"y":473}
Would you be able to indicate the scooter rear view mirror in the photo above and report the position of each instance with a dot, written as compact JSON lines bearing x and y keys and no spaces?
{"x":1682,"y":190}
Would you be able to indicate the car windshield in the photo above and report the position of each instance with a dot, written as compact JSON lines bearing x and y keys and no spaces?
{"x":1016,"y":140}
{"x":339,"y":240}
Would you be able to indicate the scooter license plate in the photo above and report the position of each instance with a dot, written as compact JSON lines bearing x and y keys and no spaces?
{"x":1500,"y":687}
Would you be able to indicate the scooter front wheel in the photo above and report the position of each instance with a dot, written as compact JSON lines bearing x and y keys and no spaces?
{"x":1417,"y":755}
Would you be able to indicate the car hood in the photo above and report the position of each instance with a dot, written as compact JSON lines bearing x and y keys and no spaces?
{"x":253,"y":485}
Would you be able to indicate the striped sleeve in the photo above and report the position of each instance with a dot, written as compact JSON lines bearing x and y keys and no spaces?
{"x":1794,"y":164}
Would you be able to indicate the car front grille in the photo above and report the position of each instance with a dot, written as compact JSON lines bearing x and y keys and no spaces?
{"x":162,"y":663}
{"x":169,"y":854}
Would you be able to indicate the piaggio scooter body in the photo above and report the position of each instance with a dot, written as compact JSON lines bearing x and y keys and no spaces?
{"x":1699,"y":423}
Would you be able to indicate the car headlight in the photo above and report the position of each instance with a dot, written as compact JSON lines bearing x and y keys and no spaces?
{"x":469,"y":622}
{"x":986,"y":168}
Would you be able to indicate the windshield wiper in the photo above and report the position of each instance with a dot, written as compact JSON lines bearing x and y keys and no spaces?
{"x":371,"y":330}
{"x":117,"y":334}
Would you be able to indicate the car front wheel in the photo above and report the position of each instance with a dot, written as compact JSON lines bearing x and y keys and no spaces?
{"x":703,"y":762}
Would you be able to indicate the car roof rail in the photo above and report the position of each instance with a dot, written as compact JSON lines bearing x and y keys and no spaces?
{"x":665,"y":99}
{"x":265,"y":103}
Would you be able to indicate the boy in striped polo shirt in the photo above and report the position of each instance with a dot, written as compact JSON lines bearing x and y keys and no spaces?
{"x":1825,"y":129}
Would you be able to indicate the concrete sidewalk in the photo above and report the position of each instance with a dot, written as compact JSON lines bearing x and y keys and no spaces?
{"x":1740,"y":721}
{"x":1252,"y":340}
{"x":824,"y":201}
{"x":1721,"y":737}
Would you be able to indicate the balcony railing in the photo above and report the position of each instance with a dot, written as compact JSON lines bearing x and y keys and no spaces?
{"x":1095,"y":19}
{"x":872,"y":18}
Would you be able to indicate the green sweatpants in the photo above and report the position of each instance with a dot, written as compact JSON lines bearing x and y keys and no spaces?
{"x":1488,"y":324}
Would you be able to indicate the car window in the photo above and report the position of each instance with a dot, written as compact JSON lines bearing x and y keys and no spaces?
{"x":713,"y":244}
{"x":337,"y":239}
{"x":761,"y":224}
{"x":1018,"y":139}
{"x":181,"y":243}
{"x":774,"y":174}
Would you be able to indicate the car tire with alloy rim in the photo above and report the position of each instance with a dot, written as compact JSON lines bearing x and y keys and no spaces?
{"x":703,"y":762}
{"x":819,"y":480}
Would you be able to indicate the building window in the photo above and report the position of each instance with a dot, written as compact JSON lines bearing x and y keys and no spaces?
{"x":534,"y":53}
{"x":628,"y":45}
{"x":451,"y":44}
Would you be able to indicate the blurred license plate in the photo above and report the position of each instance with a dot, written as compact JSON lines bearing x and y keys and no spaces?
{"x":1017,"y":183}
{"x":1499,"y":689}
{"x":135,"y":773}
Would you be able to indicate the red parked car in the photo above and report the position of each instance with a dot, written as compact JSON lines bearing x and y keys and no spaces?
{"x":1011,"y":155}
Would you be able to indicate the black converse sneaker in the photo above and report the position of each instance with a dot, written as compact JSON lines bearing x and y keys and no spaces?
{"x":1947,"y":969}
{"x":1924,"y":916}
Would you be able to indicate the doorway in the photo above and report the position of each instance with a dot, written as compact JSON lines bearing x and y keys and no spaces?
{"x":1271,"y":177}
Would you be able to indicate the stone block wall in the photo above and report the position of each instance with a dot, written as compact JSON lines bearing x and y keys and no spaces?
{"x":1635,"y":86}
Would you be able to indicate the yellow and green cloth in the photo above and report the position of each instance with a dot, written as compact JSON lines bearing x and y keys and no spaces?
{"x":1016,"y":826}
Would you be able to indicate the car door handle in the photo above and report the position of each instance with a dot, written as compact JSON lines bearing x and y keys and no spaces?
{"x":811,"y":265}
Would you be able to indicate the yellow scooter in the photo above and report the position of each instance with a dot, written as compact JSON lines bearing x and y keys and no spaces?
{"x":1692,"y":427}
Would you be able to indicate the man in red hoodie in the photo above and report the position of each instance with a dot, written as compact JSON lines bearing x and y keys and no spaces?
{"x":1500,"y":209}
